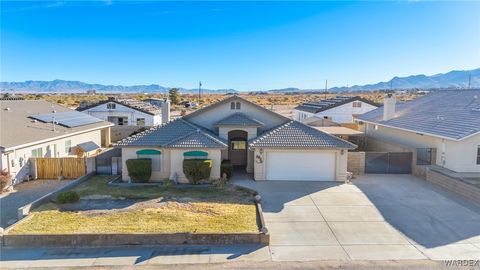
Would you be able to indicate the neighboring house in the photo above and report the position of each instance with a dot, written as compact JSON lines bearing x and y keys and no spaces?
{"x":267,"y":144}
{"x":125,"y":112}
{"x":27,"y":131}
{"x":443,"y":126}
{"x":340,"y":109}
{"x":163,"y":104}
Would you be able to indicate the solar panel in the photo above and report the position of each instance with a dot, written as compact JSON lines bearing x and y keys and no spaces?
{"x":67,"y":119}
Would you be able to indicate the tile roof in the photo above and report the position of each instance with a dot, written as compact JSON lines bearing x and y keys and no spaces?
{"x":175,"y":134}
{"x":452,"y":114}
{"x":297,"y":135}
{"x":239,"y":119}
{"x":131,"y":103}
{"x":326,"y":104}
{"x":196,"y":139}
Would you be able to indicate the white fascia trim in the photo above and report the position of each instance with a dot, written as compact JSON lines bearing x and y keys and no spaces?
{"x":419,"y":132}
{"x":54,"y":138}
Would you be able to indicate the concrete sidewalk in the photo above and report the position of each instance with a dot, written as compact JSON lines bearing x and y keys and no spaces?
{"x":124,"y":256}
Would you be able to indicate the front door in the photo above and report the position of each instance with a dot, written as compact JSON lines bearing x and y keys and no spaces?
{"x":238,"y":152}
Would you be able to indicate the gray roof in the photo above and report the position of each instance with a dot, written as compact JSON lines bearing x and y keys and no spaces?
{"x":196,"y":139}
{"x":17,"y":128}
{"x":130,"y":103}
{"x":326,"y":104}
{"x":88,"y":146}
{"x":297,"y":135}
{"x":452,"y":114}
{"x":239,"y":119}
{"x":176,"y":134}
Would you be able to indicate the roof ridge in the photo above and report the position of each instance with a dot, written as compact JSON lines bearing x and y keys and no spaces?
{"x":179,"y":138}
{"x":269,"y":132}
{"x":201,"y":129}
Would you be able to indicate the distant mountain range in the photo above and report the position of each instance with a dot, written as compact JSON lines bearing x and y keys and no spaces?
{"x":453,"y":79}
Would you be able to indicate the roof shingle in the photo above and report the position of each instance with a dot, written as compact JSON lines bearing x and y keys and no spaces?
{"x":297,"y":135}
{"x":453,"y":114}
{"x":326,"y":104}
{"x":178,"y":133}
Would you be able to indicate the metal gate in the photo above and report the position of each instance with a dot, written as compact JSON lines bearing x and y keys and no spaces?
{"x":388,"y":162}
{"x":103,"y":161}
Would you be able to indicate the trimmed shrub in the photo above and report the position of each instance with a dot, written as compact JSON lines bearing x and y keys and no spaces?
{"x":197,"y":169}
{"x":226,"y":168}
{"x":68,"y":197}
{"x":139,"y":170}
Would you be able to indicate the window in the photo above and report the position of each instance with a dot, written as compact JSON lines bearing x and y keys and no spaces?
{"x":478,"y":154}
{"x":154,"y":155}
{"x":111,"y":106}
{"x":232,"y":106}
{"x":122,"y":121}
{"x":238,"y":145}
{"x":68,"y":145}
{"x":37,"y":152}
{"x":426,"y":156}
{"x":357,"y":104}
{"x":237,"y":106}
{"x":141,"y":122}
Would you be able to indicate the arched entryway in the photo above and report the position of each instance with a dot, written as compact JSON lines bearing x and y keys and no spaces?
{"x":237,"y":147}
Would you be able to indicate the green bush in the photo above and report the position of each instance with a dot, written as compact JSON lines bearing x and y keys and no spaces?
{"x":139,"y":170}
{"x":68,"y":197}
{"x":197,"y":169}
{"x":226,"y":168}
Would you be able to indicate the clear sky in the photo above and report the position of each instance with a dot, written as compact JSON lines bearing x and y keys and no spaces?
{"x":241,"y":45}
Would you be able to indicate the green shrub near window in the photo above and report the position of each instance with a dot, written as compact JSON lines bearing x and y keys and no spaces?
{"x":139,"y":170}
{"x":68,"y":197}
{"x":197,"y":169}
{"x":226,"y":168}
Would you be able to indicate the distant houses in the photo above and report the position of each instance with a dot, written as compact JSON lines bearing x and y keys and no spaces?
{"x":340,"y":109}
{"x":125,"y":112}
{"x":37,"y":128}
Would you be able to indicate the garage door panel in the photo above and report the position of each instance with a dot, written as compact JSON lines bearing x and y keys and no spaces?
{"x":300,"y":166}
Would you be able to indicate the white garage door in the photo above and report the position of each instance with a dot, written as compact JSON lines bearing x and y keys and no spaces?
{"x":300,"y":166}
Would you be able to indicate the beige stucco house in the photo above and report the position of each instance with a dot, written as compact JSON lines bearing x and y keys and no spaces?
{"x":27,"y":130}
{"x":264,"y":143}
{"x":444,"y":124}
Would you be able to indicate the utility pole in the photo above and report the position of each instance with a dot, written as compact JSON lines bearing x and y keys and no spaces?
{"x":199,"y":91}
{"x":326,"y":87}
{"x":469,"y":80}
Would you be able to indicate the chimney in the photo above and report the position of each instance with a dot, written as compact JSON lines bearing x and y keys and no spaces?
{"x":165,"y":111}
{"x":389,"y":107}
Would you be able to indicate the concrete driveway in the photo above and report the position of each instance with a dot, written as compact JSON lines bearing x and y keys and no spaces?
{"x":23,"y":194}
{"x":378,"y":217}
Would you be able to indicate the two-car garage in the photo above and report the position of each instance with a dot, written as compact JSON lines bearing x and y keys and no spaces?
{"x":300,"y":165}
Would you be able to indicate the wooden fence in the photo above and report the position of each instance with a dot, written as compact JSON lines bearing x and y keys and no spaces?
{"x":52,"y":168}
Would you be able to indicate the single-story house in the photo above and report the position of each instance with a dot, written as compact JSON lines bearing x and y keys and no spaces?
{"x":125,"y":112}
{"x":37,"y":128}
{"x":340,"y":109}
{"x":265,"y":143}
{"x":443,"y":126}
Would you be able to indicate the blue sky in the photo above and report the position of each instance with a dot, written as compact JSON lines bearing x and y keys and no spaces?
{"x":241,"y":45}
